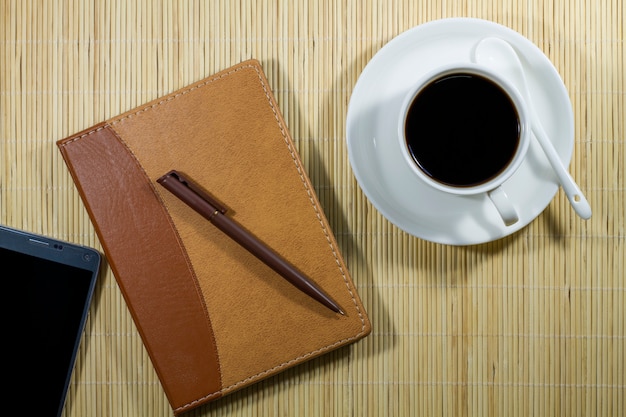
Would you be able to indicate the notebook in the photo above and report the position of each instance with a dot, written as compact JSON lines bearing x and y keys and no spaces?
{"x":212,"y":316}
{"x":54,"y":281}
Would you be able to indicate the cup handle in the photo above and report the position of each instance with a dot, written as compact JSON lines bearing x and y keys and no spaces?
{"x":504,"y":206}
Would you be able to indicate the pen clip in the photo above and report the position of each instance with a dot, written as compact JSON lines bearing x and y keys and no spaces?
{"x":196,"y":189}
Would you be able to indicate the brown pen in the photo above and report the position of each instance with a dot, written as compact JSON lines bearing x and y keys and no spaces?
{"x":207,"y":207}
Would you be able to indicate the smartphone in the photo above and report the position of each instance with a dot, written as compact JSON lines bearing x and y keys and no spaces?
{"x":51,"y":284}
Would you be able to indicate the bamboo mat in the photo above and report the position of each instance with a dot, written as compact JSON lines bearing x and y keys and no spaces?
{"x":532,"y":324}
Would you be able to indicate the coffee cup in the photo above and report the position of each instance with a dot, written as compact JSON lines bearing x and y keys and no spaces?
{"x":464,"y":130}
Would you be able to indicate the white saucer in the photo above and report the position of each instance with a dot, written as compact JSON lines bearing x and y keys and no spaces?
{"x":374,"y":149}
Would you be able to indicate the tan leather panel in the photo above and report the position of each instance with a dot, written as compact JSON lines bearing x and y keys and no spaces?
{"x":227,"y":134}
{"x":142,"y":246}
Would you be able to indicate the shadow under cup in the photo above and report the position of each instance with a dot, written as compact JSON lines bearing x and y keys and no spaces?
{"x":462,"y":130}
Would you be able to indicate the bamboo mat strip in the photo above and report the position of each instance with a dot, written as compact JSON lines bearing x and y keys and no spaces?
{"x":532,"y":324}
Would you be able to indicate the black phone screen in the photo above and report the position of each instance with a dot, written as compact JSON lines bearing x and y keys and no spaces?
{"x":52,"y":300}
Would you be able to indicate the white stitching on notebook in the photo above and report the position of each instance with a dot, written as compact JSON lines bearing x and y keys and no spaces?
{"x":84,"y":135}
{"x":311,"y":198}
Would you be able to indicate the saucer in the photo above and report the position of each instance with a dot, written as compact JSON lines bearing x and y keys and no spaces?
{"x":374,"y":149}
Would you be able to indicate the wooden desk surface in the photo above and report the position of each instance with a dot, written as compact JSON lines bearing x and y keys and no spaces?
{"x":532,"y":324}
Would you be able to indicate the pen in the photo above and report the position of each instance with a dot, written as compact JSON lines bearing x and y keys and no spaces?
{"x":213,"y":211}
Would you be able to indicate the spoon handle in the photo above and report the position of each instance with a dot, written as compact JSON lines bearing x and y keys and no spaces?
{"x":500,"y":54}
{"x":574,"y":194}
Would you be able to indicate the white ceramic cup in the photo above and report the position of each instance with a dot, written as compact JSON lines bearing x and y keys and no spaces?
{"x":493,"y":186}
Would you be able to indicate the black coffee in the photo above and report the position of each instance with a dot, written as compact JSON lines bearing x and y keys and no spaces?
{"x":462,"y":129}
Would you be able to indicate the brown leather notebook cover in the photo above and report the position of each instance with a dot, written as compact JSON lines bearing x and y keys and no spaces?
{"x":212,"y":316}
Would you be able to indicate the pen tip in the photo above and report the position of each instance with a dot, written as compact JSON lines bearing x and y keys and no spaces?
{"x":341,"y":312}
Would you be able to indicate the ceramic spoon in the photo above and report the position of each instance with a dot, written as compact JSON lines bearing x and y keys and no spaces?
{"x":500,"y":55}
